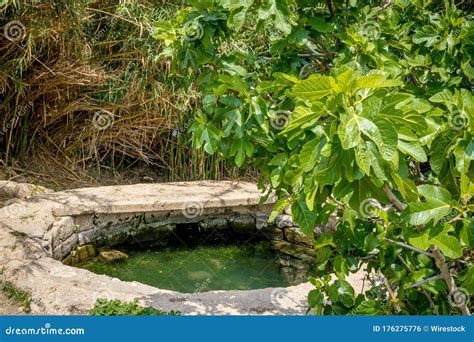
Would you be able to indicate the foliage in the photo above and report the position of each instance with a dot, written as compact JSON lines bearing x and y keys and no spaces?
{"x":73,"y":60}
{"x":17,"y":295}
{"x":105,"y":307}
{"x":358,"y":111}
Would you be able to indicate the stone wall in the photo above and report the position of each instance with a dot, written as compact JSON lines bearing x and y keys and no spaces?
{"x":76,"y":239}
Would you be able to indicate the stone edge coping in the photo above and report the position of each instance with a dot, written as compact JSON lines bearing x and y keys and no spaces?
{"x":161,"y":197}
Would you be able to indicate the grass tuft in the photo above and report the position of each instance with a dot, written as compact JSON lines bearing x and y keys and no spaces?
{"x":16,"y":295}
{"x":105,"y":307}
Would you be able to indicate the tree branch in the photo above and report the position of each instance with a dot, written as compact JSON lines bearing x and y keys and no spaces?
{"x":446,"y":276}
{"x":424,"y":281}
{"x":403,"y":244}
{"x":394,"y":199}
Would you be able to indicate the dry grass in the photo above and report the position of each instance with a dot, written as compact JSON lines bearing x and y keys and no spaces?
{"x":79,"y":58}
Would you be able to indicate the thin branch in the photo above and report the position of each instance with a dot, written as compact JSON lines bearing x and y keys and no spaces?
{"x":394,"y":199}
{"x":393,"y":295}
{"x":405,"y":245}
{"x":446,"y":276}
{"x":424,"y":281}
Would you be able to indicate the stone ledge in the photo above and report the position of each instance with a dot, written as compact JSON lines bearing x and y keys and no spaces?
{"x":156,"y":197}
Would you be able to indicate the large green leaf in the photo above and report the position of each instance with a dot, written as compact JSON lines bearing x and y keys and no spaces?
{"x":348,"y":131}
{"x":305,"y":217}
{"x":341,"y":291}
{"x":413,"y":149}
{"x":424,"y":212}
{"x":434,"y":192}
{"x":315,"y":88}
{"x":382,"y":133}
{"x":362,"y":158}
{"x":438,"y":236}
{"x":467,"y":233}
{"x":281,"y":11}
{"x":240,"y":149}
{"x":376,"y":81}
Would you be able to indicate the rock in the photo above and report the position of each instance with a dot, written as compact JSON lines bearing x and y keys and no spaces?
{"x":82,"y":253}
{"x":91,"y":250}
{"x":21,"y":190}
{"x":149,"y":232}
{"x":261,"y":221}
{"x":213,"y":223}
{"x":283,"y":221}
{"x":272,"y":233}
{"x":68,"y":260}
{"x":297,"y":251}
{"x":295,"y":235}
{"x":112,"y":255}
{"x":243,"y":224}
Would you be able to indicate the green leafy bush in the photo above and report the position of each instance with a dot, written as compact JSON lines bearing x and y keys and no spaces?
{"x":360,"y":112}
{"x":105,"y":307}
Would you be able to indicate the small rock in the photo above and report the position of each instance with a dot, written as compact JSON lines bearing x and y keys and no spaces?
{"x":297,"y":251}
{"x":295,"y":235}
{"x":261,"y":220}
{"x":91,"y":250}
{"x":243,"y":224}
{"x":272,"y":233}
{"x":82,"y":253}
{"x":283,"y":221}
{"x":112,"y":255}
{"x":213,"y":223}
{"x":68,"y":260}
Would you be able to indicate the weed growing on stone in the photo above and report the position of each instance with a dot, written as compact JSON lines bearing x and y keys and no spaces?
{"x":104,"y":307}
{"x":17,"y":295}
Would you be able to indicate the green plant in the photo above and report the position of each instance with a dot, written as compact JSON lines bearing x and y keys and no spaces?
{"x":105,"y":307}
{"x":98,"y":64}
{"x":356,"y":113}
{"x":17,"y":295}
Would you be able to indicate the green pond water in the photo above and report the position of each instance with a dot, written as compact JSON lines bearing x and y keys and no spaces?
{"x":198,"y":269}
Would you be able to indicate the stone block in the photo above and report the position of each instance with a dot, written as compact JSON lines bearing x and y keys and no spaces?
{"x":297,"y":251}
{"x":284,"y":221}
{"x":243,"y":224}
{"x":111,"y":255}
{"x":295,"y":235}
